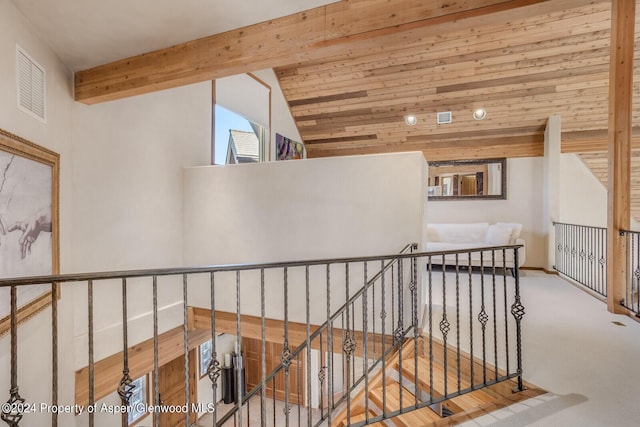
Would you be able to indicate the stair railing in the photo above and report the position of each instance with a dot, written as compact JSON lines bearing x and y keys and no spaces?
{"x":336,"y":323}
{"x":581,"y":255}
{"x":632,"y":288}
{"x":469,"y":336}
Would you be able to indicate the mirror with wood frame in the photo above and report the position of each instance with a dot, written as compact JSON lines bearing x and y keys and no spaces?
{"x":468,"y":180}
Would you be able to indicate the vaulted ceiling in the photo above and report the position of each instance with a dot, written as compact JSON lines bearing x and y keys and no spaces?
{"x":521,"y":70}
{"x":352,"y":70}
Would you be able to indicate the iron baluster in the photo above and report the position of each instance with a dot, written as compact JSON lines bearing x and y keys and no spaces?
{"x":321,"y":377}
{"x":156,"y":373}
{"x":263,"y":350}
{"x":125,"y":388}
{"x":239,"y":349}
{"x":365,"y":344}
{"x":400,"y":328}
{"x":414,"y":310}
{"x":444,"y":325}
{"x":308,"y":342}
{"x":517,"y":310}
{"x":483,"y":318}
{"x":494,"y":313}
{"x":473,"y":380}
{"x":383,"y":316}
{"x":430,"y":314}
{"x":213,"y":371}
{"x":330,"y":401}
{"x":286,"y":352}
{"x":458,"y":320}
{"x":54,"y":352}
{"x":347,"y":342}
{"x":11,"y":412}
{"x":91,"y":364}
{"x":185,"y":314}
{"x":506,"y":323}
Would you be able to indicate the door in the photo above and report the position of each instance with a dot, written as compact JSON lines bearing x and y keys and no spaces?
{"x":252,"y":349}
{"x":172,"y":387}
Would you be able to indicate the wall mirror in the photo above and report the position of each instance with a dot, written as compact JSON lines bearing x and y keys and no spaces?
{"x":468,"y":180}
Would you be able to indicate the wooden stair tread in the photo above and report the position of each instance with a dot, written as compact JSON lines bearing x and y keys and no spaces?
{"x":361,"y":417}
{"x":487,"y":408}
{"x":419,"y":417}
{"x":408,"y":369}
{"x":469,"y":401}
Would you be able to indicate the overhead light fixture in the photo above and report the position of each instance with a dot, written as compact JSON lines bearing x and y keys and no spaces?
{"x":410,"y":120}
{"x":479,"y":113}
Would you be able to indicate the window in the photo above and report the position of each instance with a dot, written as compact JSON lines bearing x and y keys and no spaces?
{"x":205,"y":357}
{"x":238,"y":140}
{"x":138,"y":400}
{"x":242,"y":103}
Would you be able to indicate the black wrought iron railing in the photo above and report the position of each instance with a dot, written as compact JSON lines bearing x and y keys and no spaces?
{"x":632,"y":295}
{"x":581,"y":255}
{"x":442,"y":323}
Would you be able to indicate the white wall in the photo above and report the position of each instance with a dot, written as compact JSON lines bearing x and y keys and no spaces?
{"x":523,"y":205}
{"x":34,"y":339}
{"x":583,"y":198}
{"x":293,"y":210}
{"x":128,"y":160}
{"x":120,"y":207}
{"x":299,"y":210}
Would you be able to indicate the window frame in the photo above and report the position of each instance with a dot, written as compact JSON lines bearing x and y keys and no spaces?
{"x":202,"y":370}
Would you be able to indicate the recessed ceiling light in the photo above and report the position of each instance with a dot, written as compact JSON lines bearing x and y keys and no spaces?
{"x":411,"y":120}
{"x":479,"y":113}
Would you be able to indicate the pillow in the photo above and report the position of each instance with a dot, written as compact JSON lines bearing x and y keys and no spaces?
{"x":457,"y":233}
{"x":516,"y":229}
{"x":498,"y":235}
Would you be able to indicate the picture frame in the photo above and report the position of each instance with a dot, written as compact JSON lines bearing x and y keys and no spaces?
{"x":29,"y":223}
{"x":288,"y":149}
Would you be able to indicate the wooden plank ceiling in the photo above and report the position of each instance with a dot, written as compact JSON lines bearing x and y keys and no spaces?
{"x":521,"y":71}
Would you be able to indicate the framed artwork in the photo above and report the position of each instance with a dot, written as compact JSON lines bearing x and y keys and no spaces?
{"x":29,"y":223}
{"x":287,"y":149}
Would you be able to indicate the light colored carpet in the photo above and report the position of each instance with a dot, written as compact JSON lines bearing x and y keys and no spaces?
{"x":572,"y":348}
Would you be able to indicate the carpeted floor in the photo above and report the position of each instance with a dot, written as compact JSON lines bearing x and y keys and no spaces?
{"x":572,"y":348}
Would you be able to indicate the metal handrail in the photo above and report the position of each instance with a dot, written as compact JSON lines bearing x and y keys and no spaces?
{"x":127,"y":274}
{"x":402,"y":282}
{"x":317,"y":332}
{"x":578,"y":225}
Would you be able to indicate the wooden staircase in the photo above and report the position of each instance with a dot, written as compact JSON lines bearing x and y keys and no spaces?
{"x":385,"y":400}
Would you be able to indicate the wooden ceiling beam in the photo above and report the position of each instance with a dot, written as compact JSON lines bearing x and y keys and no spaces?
{"x":449,"y":149}
{"x":337,"y":28}
{"x":593,"y":141}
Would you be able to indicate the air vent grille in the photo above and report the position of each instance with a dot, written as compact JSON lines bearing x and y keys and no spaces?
{"x":444,"y":117}
{"x":31,"y":85}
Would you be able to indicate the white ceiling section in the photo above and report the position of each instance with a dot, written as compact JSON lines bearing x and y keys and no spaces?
{"x":87,"y":33}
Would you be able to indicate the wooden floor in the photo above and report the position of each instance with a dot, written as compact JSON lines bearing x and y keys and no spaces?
{"x":385,"y":395}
